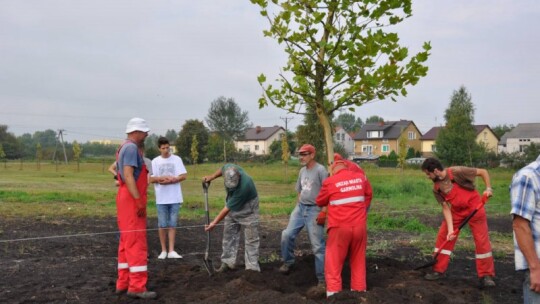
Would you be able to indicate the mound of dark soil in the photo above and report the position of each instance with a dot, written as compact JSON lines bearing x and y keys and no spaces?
{"x":82,"y":269}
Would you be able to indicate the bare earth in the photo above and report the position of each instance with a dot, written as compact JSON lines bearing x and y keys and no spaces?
{"x":82,"y":269}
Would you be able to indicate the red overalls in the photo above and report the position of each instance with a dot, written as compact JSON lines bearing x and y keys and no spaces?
{"x":463,"y":202}
{"x":347,"y":195}
{"x":132,"y":249}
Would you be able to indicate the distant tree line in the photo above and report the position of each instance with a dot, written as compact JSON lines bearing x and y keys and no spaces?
{"x":226,"y":122}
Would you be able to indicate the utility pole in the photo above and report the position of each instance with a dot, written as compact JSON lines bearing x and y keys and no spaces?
{"x":286,"y":119}
{"x":60,"y":139}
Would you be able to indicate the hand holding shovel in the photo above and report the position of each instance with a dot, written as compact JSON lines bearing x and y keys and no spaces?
{"x":455,"y":233}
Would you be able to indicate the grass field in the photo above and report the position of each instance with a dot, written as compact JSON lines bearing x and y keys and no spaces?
{"x":65,"y":190}
{"x":402,"y":199}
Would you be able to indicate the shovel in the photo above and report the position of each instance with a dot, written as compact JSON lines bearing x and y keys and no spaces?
{"x":207,"y":261}
{"x":456,"y":232}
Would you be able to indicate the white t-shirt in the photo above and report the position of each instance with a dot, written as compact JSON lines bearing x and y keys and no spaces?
{"x":170,"y":166}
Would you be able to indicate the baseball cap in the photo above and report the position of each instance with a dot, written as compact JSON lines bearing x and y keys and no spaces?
{"x":137,"y":124}
{"x":231,"y":176}
{"x":307,"y":148}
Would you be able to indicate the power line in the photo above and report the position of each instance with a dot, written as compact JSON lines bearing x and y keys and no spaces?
{"x":286,"y":119}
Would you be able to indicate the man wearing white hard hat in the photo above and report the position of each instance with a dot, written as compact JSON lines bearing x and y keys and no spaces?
{"x":131,"y":203}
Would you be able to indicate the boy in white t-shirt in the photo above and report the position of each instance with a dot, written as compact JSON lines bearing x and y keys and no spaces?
{"x":167,"y":172}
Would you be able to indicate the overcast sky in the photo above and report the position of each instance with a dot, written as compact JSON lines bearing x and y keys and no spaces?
{"x":88,"y":66}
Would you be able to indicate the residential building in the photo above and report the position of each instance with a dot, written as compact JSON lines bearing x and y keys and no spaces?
{"x":383,"y":137}
{"x":115,"y":142}
{"x":258,"y":140}
{"x":484,"y":136}
{"x":519,"y":137}
{"x":345,"y":140}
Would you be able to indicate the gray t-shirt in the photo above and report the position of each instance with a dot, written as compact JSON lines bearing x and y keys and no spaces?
{"x":309,"y":183}
{"x":129,"y":156}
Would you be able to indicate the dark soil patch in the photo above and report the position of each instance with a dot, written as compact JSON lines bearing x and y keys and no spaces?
{"x":82,"y":269}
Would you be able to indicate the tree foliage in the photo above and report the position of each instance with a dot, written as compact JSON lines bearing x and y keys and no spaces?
{"x":340,"y":56}
{"x":171,"y":135}
{"x":276,"y":147}
{"x":499,"y":130}
{"x":410,"y":153}
{"x":340,"y":149}
{"x":2,"y":153}
{"x":227,"y":119}
{"x":194,"y":149}
{"x":349,"y":122}
{"x":402,"y":153}
{"x":311,"y":133}
{"x":11,"y":146}
{"x":215,"y":148}
{"x":77,"y":151}
{"x":517,"y":160}
{"x":151,"y":146}
{"x":456,"y":142}
{"x":374,"y":119}
{"x":185,"y":139}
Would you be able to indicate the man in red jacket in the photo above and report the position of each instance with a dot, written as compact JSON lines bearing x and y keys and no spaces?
{"x":348,"y":195}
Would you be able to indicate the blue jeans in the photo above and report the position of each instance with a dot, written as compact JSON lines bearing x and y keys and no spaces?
{"x":167,"y":215}
{"x":304,"y":215}
{"x":529,"y":296}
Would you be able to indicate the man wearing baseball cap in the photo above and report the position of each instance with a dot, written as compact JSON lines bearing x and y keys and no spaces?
{"x":307,"y":214}
{"x":131,"y":208}
{"x":241,"y":211}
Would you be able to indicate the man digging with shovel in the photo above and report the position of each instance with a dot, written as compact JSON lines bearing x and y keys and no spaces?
{"x":454,"y":189}
{"x":241,"y":210}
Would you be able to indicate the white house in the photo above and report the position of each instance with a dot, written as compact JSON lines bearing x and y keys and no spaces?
{"x":344,"y":139}
{"x":520,"y":137}
{"x":258,"y":140}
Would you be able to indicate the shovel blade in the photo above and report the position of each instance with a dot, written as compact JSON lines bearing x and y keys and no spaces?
{"x":433,"y":262}
{"x":209,"y":267}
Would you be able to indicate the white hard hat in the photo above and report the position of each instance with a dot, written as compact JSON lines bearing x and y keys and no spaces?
{"x":137,"y":124}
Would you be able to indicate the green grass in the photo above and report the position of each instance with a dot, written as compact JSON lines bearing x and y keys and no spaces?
{"x":400,"y":197}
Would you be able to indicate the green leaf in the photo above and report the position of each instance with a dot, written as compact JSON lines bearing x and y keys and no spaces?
{"x":261,"y":79}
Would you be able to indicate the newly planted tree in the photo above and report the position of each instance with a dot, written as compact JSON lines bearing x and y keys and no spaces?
{"x":77,"y":151}
{"x":340,"y":56}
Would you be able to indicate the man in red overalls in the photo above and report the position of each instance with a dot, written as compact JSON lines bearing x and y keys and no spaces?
{"x":454,"y":189}
{"x":347,"y":193}
{"x":131,"y":208}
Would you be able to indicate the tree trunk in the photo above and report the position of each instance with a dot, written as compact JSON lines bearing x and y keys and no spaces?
{"x":328,"y":139}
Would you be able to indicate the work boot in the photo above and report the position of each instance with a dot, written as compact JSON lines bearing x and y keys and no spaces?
{"x":143,"y":295}
{"x":433,"y":276}
{"x":487,"y":281}
{"x":317,"y":292}
{"x":224,"y":268}
{"x":120,"y":291}
{"x":286,"y":268}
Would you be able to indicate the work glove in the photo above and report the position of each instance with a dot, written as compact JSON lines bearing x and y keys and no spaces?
{"x":321,"y":218}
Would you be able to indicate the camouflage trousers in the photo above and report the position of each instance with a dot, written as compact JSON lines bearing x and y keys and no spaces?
{"x":247,"y":218}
